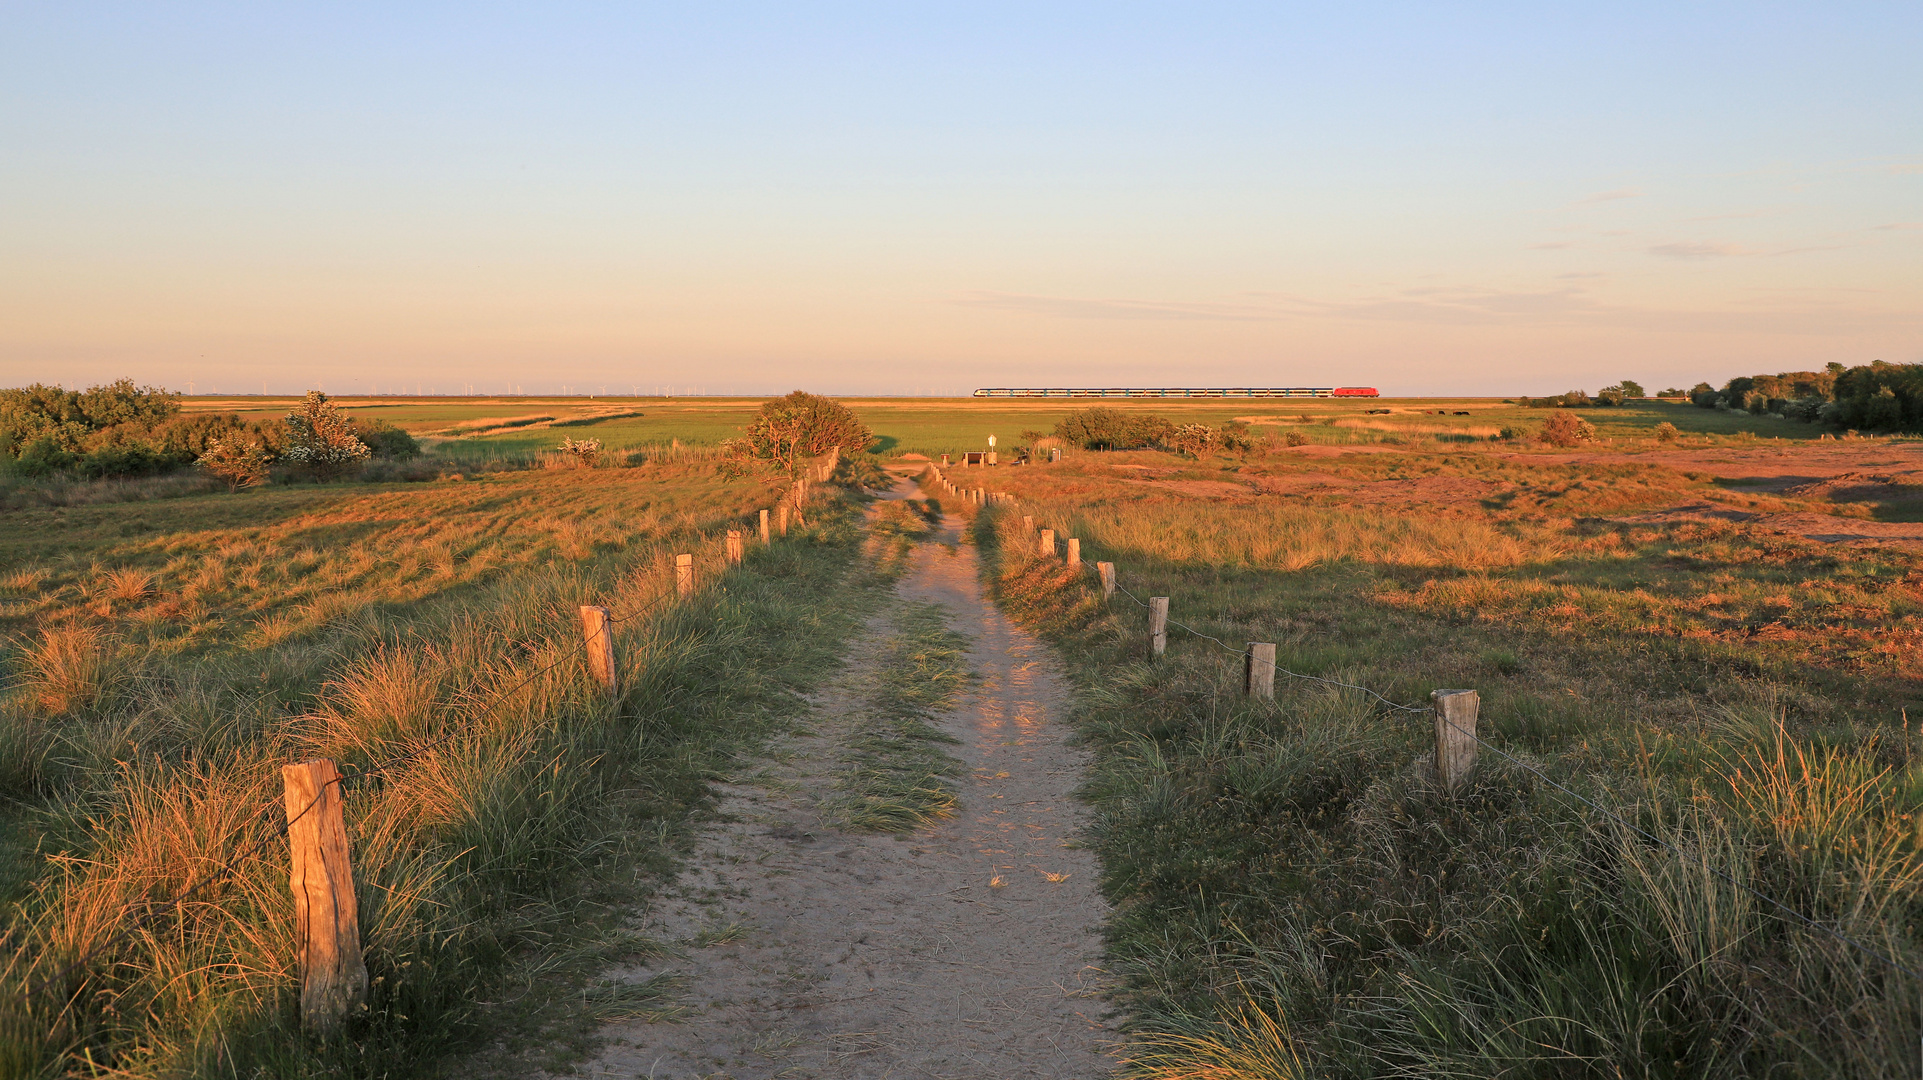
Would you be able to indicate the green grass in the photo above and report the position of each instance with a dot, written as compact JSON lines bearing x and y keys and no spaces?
{"x":1292,"y":895}
{"x":492,"y":868}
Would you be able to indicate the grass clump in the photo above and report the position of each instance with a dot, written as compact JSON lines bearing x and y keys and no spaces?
{"x":894,"y":776}
{"x":1291,"y":893}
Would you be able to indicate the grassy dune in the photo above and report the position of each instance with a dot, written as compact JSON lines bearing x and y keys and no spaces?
{"x":169,"y":657}
{"x":1294,"y":898}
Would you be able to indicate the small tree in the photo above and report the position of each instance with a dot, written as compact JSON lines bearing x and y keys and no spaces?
{"x":239,"y":462}
{"x":1566,"y":429}
{"x":320,"y":440}
{"x":790,"y":430}
{"x":1631,"y":388}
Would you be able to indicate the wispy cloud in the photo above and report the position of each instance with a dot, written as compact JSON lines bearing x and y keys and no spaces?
{"x":1552,"y":245}
{"x":1699,"y":250}
{"x":1609,"y":196}
{"x":1071,"y":307}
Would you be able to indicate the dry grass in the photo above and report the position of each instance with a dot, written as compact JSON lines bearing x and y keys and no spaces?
{"x":1738,"y":693}
{"x":366,"y":626}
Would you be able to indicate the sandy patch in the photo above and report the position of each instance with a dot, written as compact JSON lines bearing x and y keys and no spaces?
{"x":966,"y":950}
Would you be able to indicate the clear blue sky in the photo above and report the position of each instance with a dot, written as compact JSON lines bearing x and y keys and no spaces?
{"x":874,"y":198}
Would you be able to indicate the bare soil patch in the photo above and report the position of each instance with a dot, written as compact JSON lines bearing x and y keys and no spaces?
{"x":968,"y":949}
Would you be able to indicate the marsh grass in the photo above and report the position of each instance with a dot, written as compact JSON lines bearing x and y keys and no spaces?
{"x":894,"y":775}
{"x":1292,"y":895}
{"x":489,"y":853}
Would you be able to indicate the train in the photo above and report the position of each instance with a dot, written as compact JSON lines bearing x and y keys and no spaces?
{"x":1178,"y":392}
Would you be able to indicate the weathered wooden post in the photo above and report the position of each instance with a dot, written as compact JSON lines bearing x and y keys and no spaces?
{"x":1455,"y":735}
{"x":781,"y":515}
{"x":1074,"y":554}
{"x":735,"y":547}
{"x":1258,"y":670}
{"x":684,"y":575}
{"x":1046,"y":546}
{"x":1107,"y":572}
{"x":599,"y":635}
{"x":1028,"y":523}
{"x":1157,"y":625}
{"x":326,"y":918}
{"x":981,"y":497}
{"x":765,"y":535}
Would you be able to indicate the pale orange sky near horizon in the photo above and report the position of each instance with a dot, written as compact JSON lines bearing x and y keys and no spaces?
{"x":866,"y":201}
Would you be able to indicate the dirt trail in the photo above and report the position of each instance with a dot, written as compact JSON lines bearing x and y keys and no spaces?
{"x":965,"y":950}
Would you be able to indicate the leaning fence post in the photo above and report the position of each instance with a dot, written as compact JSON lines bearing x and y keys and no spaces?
{"x":1157,"y":625}
{"x":684,"y":575}
{"x":1107,"y":572}
{"x":1258,"y":670}
{"x":1455,"y":735}
{"x":764,"y":527}
{"x":326,"y":918}
{"x":1046,"y":547}
{"x":599,"y":636}
{"x":1074,"y":554}
{"x":735,"y":547}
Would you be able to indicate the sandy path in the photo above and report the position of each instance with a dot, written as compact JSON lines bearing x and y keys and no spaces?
{"x":966,"y":950}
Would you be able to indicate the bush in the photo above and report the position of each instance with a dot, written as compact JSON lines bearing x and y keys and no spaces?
{"x":320,"y":441}
{"x":789,"y":431}
{"x":583,"y":452}
{"x":1111,"y":429}
{"x":1295,"y":438}
{"x":384,"y":440}
{"x":1666,"y":432}
{"x":124,"y":460}
{"x":236,"y":462}
{"x":1566,"y":429}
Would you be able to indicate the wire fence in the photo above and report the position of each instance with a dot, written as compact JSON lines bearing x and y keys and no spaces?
{"x":1792,"y":914}
{"x":131,"y":921}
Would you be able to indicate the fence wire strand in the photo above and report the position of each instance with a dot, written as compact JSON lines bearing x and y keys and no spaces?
{"x":1794,"y":915}
{"x":131,"y":924}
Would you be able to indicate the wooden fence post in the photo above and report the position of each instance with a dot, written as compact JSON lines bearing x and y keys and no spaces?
{"x":765,"y":537}
{"x":326,"y":918}
{"x":599,"y":635}
{"x":1157,"y":625}
{"x":1046,"y":547}
{"x":1258,"y":670}
{"x":1028,"y":523}
{"x":735,"y":547}
{"x":1074,"y":554}
{"x":1107,"y":571}
{"x":1455,"y":735}
{"x":781,"y":516}
{"x":684,"y":575}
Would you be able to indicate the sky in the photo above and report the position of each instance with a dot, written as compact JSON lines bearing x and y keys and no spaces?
{"x":917,"y":198}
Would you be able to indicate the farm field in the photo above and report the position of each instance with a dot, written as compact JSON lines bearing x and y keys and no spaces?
{"x":1716,"y":635}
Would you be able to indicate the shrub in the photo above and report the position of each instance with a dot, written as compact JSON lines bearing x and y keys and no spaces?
{"x":236,"y":462}
{"x":1611,"y":395}
{"x":1566,"y":429}
{"x":1111,"y":429}
{"x":1295,"y":438}
{"x":320,"y":441}
{"x":1666,"y":432}
{"x":384,"y":440}
{"x":788,"y":431}
{"x":124,"y":460}
{"x":583,"y":452}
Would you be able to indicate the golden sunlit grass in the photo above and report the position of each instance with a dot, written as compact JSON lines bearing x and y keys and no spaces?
{"x":1736,"y":692}
{"x":432,"y":627}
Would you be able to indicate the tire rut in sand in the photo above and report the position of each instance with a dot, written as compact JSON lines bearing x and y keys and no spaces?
{"x":965,"y":949}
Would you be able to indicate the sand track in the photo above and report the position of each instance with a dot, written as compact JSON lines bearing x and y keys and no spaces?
{"x":965,"y":950}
